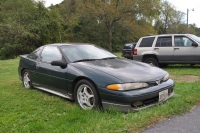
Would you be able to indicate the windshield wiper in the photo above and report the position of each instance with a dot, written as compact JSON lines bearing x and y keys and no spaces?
{"x":109,"y":58}
{"x":84,"y":60}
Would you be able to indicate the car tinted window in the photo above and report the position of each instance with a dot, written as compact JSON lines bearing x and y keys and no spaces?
{"x":164,"y":42}
{"x":128,"y":46}
{"x":182,"y":41}
{"x":50,"y":53}
{"x":147,"y":42}
{"x":35,"y":54}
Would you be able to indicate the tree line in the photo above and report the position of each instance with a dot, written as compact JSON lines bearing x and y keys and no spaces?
{"x":27,"y":24}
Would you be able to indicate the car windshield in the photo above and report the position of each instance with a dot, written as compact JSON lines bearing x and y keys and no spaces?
{"x":86,"y":53}
{"x":195,"y":37}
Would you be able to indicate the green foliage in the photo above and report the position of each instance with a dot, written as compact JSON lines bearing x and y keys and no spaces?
{"x":26,"y":24}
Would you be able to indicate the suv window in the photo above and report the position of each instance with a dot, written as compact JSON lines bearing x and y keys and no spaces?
{"x":182,"y":41}
{"x":50,"y":53}
{"x":35,"y":54}
{"x":147,"y":42}
{"x":128,"y":46}
{"x":164,"y":42}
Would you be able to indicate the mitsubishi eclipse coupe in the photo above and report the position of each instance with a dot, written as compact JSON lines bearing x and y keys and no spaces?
{"x":94,"y":77}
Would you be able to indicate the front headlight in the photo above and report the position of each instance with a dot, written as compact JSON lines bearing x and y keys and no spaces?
{"x":126,"y":86}
{"x":166,"y":77}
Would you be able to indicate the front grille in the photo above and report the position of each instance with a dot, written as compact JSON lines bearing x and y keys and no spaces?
{"x":147,"y":102}
{"x":150,"y":101}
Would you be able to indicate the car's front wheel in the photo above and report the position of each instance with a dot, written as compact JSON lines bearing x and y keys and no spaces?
{"x":26,"y":80}
{"x":86,"y":95}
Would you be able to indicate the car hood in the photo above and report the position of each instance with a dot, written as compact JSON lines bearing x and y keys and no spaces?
{"x":126,"y":70}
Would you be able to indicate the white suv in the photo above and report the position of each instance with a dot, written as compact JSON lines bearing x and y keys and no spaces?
{"x":168,"y":49}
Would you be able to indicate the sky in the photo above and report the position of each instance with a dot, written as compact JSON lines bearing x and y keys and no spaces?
{"x":49,"y":2}
{"x":181,"y":5}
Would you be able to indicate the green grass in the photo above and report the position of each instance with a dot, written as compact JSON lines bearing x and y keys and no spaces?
{"x":119,"y":54}
{"x":23,"y":110}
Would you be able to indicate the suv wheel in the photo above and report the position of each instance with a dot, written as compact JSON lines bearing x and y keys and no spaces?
{"x":151,"y":61}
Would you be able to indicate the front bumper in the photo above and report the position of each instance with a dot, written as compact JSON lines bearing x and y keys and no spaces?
{"x":127,"y":56}
{"x":123,"y":101}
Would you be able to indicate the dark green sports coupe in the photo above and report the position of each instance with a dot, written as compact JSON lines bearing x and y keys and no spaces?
{"x":94,"y":77}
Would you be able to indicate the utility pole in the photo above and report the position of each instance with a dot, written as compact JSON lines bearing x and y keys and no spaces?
{"x":187,"y":18}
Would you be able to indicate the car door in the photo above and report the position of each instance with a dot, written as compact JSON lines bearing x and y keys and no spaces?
{"x":184,"y":52}
{"x":52,"y":77}
{"x":164,"y":49}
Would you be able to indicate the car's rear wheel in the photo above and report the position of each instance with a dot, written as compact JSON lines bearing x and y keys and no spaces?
{"x":26,"y":80}
{"x":152,"y":61}
{"x":86,"y":95}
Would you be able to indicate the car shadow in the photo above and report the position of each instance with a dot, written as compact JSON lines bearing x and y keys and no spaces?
{"x":183,"y":66}
{"x":51,"y":94}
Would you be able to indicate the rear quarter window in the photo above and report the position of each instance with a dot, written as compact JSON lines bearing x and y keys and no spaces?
{"x":35,"y":54}
{"x":147,"y":42}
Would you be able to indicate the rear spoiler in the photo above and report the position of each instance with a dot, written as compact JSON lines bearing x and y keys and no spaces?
{"x":24,"y":56}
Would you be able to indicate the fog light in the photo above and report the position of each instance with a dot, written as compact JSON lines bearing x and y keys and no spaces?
{"x":137,"y":103}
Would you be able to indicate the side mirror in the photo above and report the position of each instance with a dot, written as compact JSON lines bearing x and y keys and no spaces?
{"x":194,"y":44}
{"x":60,"y":63}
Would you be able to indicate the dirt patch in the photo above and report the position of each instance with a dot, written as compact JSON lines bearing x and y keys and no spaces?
{"x":198,"y":102}
{"x":185,"y":78}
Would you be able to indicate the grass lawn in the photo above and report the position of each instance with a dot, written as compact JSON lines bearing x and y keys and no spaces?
{"x":23,"y":110}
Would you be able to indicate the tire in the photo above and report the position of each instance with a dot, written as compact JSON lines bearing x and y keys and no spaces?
{"x":152,"y":61}
{"x":26,"y":80}
{"x":86,"y":95}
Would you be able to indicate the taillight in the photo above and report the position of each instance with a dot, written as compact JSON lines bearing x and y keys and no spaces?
{"x":134,"y":52}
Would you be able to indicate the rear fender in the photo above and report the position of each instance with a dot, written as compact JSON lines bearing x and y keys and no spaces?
{"x":149,"y":53}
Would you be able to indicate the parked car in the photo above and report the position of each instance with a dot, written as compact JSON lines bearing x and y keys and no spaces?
{"x":94,"y":77}
{"x":168,"y":49}
{"x":128,"y":49}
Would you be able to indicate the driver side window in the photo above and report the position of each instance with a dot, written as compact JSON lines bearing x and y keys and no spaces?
{"x":50,"y":53}
{"x":182,"y":41}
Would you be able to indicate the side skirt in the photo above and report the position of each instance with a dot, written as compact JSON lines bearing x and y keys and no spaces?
{"x":55,"y":93}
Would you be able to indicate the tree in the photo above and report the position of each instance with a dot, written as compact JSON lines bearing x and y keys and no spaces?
{"x":170,"y":19}
{"x":26,"y":25}
{"x":125,"y":13}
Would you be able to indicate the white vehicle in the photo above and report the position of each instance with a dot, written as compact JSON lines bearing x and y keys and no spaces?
{"x":160,"y":50}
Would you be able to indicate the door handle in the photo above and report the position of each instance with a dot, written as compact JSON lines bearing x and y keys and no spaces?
{"x":176,"y":48}
{"x":156,"y":48}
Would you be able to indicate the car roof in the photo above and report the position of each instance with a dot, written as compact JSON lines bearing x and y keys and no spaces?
{"x":130,"y":43}
{"x":67,"y":44}
{"x":166,"y":35}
